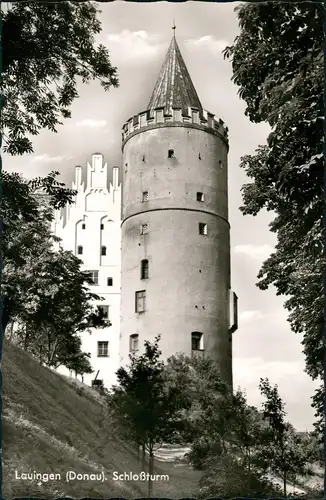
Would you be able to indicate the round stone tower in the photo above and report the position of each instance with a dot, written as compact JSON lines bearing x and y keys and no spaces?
{"x":175,"y":229}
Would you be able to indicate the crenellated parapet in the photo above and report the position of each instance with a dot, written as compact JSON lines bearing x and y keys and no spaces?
{"x":157,"y":118}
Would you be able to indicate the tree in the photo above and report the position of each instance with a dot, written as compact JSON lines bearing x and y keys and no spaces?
{"x":47,"y":48}
{"x":281,"y":452}
{"x":201,"y":392}
{"x":277,"y":63}
{"x":26,"y":230}
{"x":145,"y":403}
{"x":223,"y":432}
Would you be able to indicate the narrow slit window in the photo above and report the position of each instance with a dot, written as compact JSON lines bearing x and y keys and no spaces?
{"x":80,"y":250}
{"x":200,"y":196}
{"x":171,"y":153}
{"x":83,"y":226}
{"x":103,"y":251}
{"x":144,"y":269}
{"x":134,"y":342}
{"x":203,"y":228}
{"x":144,"y":196}
{"x":196,"y":341}
{"x":110,"y":282}
{"x":140,"y":299}
{"x":102,"y":226}
{"x":144,"y":229}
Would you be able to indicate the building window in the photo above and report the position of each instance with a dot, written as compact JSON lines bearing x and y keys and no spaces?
{"x":203,"y":228}
{"x":80,"y":250}
{"x":144,"y":270}
{"x":94,"y":277}
{"x":197,"y":341}
{"x":144,"y":196}
{"x":134,"y":342}
{"x":102,"y":226}
{"x":103,"y":349}
{"x":83,"y":226}
{"x":200,"y":196}
{"x":171,"y":153}
{"x":110,"y":281}
{"x":144,"y":229}
{"x":103,"y":250}
{"x":140,"y":301}
{"x":104,"y":312}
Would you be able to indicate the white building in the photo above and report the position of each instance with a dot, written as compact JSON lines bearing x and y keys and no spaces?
{"x":90,"y":228}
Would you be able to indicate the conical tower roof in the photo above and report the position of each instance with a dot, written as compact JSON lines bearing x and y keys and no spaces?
{"x":174,"y":87}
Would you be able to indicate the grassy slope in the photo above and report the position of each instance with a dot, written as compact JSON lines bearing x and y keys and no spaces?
{"x":49,"y":425}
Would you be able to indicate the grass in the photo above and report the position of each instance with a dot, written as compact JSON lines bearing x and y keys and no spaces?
{"x":53,"y":425}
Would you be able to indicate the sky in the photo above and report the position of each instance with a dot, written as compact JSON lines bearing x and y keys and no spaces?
{"x":138,"y":36}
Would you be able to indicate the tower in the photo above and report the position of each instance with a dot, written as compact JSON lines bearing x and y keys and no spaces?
{"x":175,"y":229}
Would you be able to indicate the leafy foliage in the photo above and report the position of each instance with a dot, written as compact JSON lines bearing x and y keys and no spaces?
{"x":43,"y":290}
{"x":282,"y":451}
{"x":238,"y":448}
{"x":277,"y":63}
{"x":144,"y":402}
{"x":47,"y":49}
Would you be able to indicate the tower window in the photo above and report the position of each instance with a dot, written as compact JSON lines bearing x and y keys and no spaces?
{"x":104,"y":312}
{"x":80,"y":250}
{"x":134,"y":342}
{"x":103,"y":349}
{"x":203,"y":228}
{"x":197,"y":341}
{"x":200,"y":196}
{"x":199,"y":157}
{"x":94,"y":277}
{"x":144,"y":196}
{"x":144,"y":229}
{"x":140,"y":302}
{"x":171,"y":153}
{"x":103,"y":250}
{"x":110,"y":281}
{"x":144,"y":270}
{"x":83,"y":226}
{"x":102,"y":226}
{"x":143,"y":157}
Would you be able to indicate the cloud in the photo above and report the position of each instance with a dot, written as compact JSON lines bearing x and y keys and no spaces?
{"x":260,"y":252}
{"x":246,"y":316}
{"x":132,"y":45}
{"x":50,"y":159}
{"x":208,"y":42}
{"x":90,"y":123}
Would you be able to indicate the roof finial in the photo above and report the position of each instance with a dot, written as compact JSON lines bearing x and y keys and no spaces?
{"x":174,"y":28}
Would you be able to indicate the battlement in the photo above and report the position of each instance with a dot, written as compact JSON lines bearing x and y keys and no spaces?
{"x":160,"y":118}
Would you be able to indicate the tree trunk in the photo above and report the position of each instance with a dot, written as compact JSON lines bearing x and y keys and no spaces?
{"x":249,"y":471}
{"x":150,"y":470}
{"x":143,"y":457}
{"x":284,"y":484}
{"x":5,"y":315}
{"x":50,"y":358}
